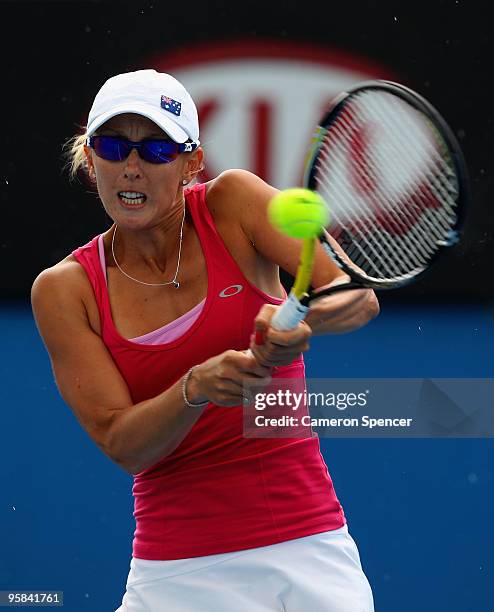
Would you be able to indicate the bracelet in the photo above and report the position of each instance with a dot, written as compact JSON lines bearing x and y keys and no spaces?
{"x":185,"y":380}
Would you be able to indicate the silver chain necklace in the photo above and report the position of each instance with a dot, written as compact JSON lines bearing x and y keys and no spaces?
{"x":174,"y":281}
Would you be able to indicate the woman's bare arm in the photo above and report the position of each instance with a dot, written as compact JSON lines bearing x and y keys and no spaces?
{"x":135,"y":436}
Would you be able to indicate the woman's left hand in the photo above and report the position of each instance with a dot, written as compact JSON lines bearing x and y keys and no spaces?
{"x":277,"y":348}
{"x":342,"y":312}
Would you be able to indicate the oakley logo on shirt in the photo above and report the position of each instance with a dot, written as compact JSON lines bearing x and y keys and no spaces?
{"x":230,"y":291}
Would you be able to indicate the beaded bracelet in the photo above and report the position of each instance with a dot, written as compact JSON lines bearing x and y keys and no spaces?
{"x":185,"y":379}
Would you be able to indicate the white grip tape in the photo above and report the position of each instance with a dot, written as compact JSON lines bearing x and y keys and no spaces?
{"x":289,"y":314}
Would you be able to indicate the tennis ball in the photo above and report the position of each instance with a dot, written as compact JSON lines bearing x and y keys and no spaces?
{"x":298,"y":212}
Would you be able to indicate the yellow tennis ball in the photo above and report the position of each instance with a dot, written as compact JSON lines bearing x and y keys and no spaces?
{"x":298,"y":212}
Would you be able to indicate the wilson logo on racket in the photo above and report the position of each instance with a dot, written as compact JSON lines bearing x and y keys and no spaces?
{"x":393,"y":203}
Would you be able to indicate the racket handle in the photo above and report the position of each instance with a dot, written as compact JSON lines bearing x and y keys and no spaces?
{"x":288,"y":316}
{"x":290,"y":313}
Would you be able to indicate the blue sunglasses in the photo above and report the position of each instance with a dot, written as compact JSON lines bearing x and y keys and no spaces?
{"x":113,"y":148}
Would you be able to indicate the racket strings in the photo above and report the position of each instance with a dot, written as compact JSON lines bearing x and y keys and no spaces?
{"x":370,"y":252}
{"x":392,"y":190}
{"x":439,"y":176}
{"x":359,"y":240}
{"x":367,"y":225}
{"x":380,"y":255}
{"x":411,"y":203}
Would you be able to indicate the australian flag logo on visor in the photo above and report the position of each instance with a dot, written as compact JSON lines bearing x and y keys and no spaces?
{"x":172,"y":106}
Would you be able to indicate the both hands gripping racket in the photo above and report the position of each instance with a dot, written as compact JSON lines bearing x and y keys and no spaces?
{"x":394,"y":178}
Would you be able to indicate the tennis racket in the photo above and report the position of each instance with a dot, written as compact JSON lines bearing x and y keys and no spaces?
{"x":394,"y":177}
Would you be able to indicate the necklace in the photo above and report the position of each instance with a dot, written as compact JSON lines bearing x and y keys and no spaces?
{"x":174,"y":280}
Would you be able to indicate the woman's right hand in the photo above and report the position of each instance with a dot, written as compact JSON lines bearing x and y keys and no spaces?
{"x":221,"y":379}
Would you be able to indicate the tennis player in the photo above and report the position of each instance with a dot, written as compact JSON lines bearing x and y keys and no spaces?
{"x":147,"y":327}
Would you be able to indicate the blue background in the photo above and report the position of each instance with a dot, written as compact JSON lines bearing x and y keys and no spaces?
{"x":420,"y":510}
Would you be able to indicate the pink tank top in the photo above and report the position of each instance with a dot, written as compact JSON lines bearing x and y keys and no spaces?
{"x":218,"y":491}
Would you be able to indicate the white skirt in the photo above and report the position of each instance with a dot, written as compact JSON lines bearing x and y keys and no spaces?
{"x":317,"y":573}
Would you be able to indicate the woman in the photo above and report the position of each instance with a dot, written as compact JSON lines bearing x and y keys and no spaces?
{"x":147,"y":327}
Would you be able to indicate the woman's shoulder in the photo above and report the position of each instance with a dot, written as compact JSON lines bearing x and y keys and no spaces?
{"x":236,"y":182}
{"x":237,"y":195}
{"x":67,"y":269}
{"x":64,"y":280}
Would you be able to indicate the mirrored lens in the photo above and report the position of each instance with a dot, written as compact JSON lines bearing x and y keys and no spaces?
{"x":112,"y":149}
{"x":158,"y":151}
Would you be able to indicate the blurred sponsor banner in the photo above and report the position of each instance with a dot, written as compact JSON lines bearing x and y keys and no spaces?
{"x":259,"y":101}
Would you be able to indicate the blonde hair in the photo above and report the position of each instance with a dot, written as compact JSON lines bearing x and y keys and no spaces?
{"x":74,"y":154}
